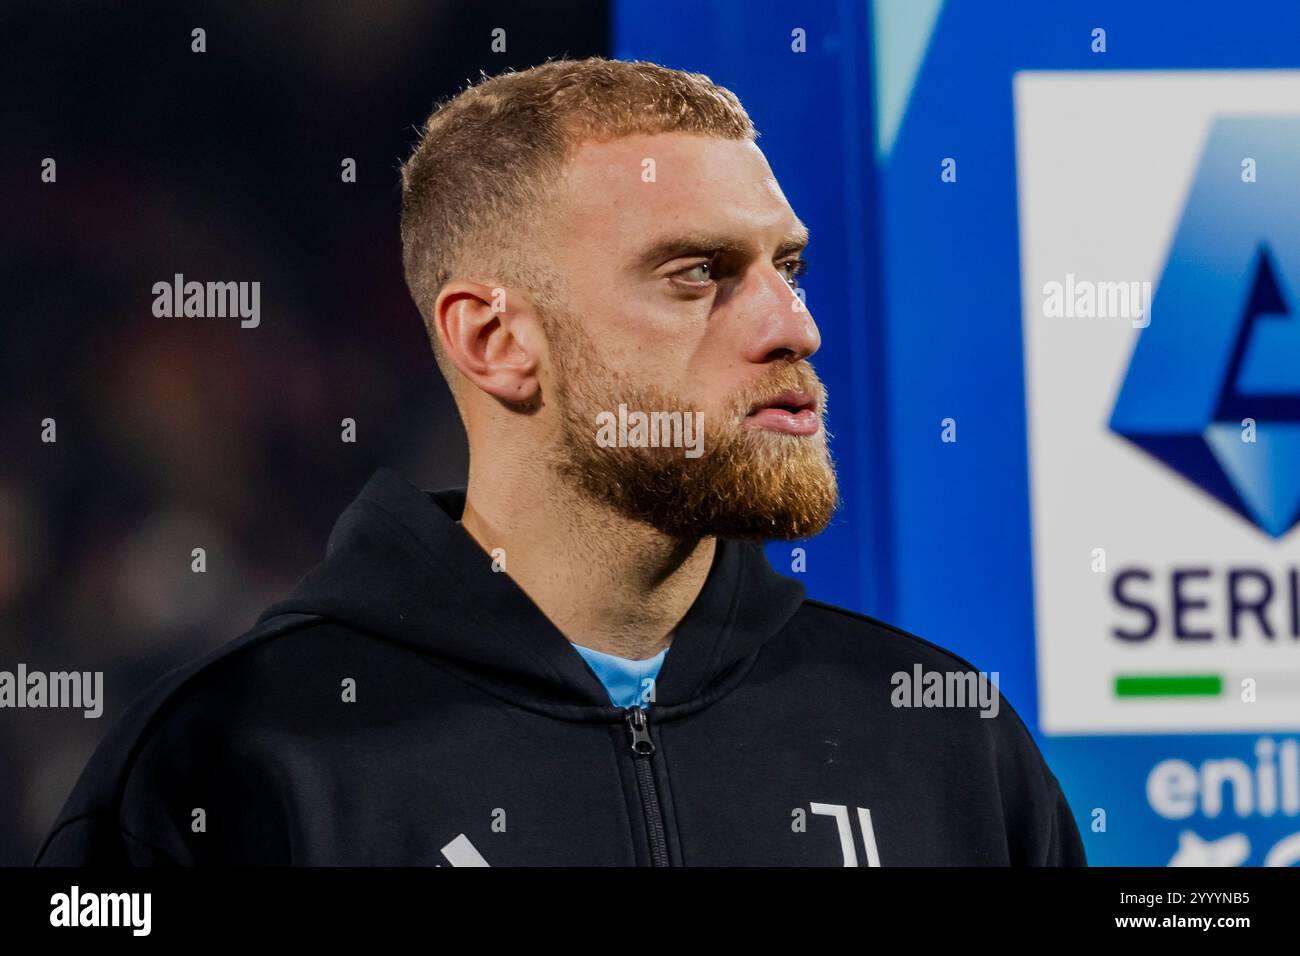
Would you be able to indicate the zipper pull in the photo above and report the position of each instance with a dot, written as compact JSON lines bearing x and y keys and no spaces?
{"x":637,"y":723}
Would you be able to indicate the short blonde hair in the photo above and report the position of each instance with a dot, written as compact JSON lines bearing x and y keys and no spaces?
{"x":478,"y":184}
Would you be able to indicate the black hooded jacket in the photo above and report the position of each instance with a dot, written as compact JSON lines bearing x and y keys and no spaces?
{"x":407,"y":705}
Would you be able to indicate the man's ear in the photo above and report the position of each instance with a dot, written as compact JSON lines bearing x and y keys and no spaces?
{"x":492,"y":334}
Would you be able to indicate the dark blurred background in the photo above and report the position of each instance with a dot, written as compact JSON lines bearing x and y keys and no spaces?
{"x":175,"y":434}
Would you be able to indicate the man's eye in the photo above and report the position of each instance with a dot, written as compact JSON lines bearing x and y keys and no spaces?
{"x":705,"y":270}
{"x":796,"y":267}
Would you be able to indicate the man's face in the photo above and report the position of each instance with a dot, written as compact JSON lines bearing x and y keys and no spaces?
{"x":677,"y":296}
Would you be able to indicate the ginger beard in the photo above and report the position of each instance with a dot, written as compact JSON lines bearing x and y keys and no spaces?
{"x":748,"y":482}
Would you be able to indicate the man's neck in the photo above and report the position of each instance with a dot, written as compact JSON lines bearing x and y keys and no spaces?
{"x":604,"y":581}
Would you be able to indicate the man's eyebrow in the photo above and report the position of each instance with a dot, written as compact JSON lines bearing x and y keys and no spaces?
{"x":796,"y":241}
{"x":704,"y":243}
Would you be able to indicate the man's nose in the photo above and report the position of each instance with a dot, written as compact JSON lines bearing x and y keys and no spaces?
{"x":784,"y":327}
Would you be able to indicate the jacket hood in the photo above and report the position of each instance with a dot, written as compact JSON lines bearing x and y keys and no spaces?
{"x":399,"y":567}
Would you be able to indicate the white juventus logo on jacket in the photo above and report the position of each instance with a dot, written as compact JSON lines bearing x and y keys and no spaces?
{"x":841,"y":814}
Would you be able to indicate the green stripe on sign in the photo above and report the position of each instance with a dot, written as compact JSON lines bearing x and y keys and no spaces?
{"x":1176,"y":685}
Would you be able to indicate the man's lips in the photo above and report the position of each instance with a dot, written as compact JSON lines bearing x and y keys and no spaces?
{"x":792,"y":412}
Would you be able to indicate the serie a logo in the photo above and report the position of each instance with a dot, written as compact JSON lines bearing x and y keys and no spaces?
{"x":1213,"y":386}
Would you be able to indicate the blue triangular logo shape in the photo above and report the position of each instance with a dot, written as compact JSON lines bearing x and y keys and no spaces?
{"x":1220,"y":359}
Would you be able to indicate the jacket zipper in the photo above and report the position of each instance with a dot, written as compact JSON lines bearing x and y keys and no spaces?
{"x":638,"y":723}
